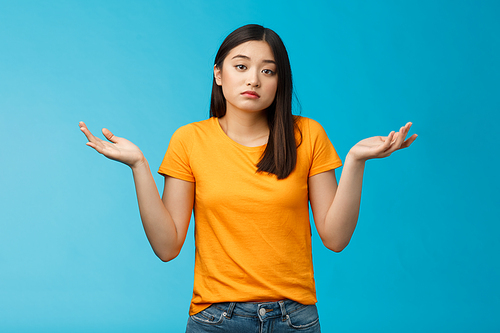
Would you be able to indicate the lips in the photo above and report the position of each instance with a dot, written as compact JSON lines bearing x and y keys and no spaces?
{"x":250,"y":93}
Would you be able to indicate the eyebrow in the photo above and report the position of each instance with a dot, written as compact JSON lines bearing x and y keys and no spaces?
{"x":248,"y":58}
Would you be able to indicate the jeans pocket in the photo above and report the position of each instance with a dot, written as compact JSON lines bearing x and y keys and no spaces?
{"x":211,"y":315}
{"x":302,"y":318}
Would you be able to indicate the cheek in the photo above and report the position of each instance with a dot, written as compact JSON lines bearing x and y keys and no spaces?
{"x":226,"y":85}
{"x":272,"y":89}
{"x":229,"y":80}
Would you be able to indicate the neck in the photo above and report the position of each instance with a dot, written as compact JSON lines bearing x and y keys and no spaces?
{"x":246,"y":128}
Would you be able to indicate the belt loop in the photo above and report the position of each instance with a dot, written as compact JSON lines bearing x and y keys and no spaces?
{"x":230,"y":310}
{"x":284,"y":315}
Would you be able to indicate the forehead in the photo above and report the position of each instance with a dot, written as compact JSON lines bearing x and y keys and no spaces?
{"x":256,"y":50}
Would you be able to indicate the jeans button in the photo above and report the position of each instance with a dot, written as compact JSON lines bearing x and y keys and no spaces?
{"x":262,"y":311}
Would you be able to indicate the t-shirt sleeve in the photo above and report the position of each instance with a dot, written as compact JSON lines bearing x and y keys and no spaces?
{"x":324,"y":156}
{"x":176,"y":161}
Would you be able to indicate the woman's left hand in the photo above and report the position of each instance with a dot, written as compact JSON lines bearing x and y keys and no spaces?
{"x":382,"y":146}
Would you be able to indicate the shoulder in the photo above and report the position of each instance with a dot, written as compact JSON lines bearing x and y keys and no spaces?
{"x":190,"y":130}
{"x":309,"y":127}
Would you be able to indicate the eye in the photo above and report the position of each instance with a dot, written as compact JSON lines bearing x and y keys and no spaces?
{"x":241,"y":67}
{"x":268,"y":72}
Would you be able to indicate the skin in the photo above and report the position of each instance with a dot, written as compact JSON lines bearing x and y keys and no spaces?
{"x":248,"y":67}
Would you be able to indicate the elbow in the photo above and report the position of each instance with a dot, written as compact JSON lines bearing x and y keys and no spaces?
{"x":167,"y":256}
{"x":335,"y":241}
{"x":336,"y":246}
{"x":337,"y":249}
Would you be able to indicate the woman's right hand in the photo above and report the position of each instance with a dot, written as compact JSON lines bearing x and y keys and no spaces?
{"x":118,"y":149}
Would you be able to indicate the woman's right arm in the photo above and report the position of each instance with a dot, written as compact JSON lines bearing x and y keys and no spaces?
{"x":166,"y":220}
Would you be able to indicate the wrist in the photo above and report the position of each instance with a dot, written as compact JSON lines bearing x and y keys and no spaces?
{"x":139,"y":164}
{"x":353,"y":158}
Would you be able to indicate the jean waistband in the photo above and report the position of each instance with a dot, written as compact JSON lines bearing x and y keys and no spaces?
{"x":262,"y":310}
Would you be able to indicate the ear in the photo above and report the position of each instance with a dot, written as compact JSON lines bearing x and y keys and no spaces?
{"x":217,"y":75}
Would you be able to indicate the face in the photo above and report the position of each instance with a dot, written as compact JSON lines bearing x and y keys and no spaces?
{"x":248,"y":77}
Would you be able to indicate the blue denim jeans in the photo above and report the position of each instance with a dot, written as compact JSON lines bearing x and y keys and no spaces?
{"x":275,"y":317}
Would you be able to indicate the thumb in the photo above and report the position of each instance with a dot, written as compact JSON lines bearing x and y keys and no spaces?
{"x":107,"y":133}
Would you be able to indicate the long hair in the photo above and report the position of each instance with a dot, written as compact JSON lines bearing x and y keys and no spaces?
{"x":280,"y":155}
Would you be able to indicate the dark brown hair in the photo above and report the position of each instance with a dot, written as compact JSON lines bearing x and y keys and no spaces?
{"x":280,"y":155}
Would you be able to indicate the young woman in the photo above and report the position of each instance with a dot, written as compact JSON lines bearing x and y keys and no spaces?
{"x":249,"y":172}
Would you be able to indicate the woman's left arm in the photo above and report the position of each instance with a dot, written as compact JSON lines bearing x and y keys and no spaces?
{"x":336,"y":208}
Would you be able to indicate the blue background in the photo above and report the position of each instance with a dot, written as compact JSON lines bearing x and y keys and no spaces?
{"x":73,"y":255}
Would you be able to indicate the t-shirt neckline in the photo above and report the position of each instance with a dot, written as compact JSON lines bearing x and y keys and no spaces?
{"x":234,"y":143}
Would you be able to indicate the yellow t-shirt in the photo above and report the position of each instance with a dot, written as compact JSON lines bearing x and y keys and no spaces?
{"x":252,"y":231}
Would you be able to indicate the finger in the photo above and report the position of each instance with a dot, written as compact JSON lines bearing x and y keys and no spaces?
{"x":388,"y":141}
{"x":394,"y":138}
{"x":82,"y":125}
{"x":401,"y":136}
{"x":102,"y":147}
{"x":98,"y":148}
{"x":406,"y":129}
{"x":107,"y":133}
{"x":86,"y":131}
{"x":403,"y":131}
{"x":409,"y":141}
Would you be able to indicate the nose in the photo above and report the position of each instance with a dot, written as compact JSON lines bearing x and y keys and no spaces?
{"x":253,"y":79}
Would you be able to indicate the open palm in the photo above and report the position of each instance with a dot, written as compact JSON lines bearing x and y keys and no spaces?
{"x":383,"y":146}
{"x":118,"y":149}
